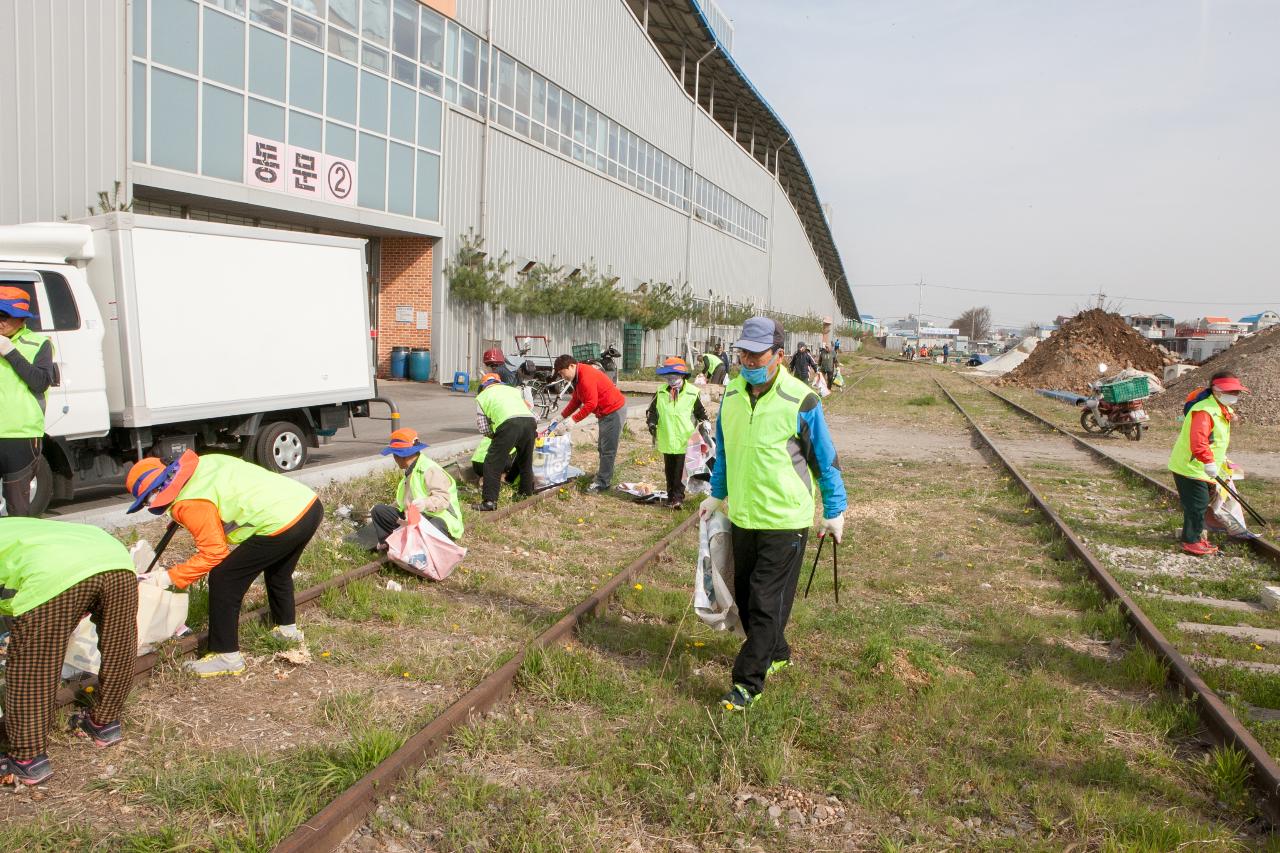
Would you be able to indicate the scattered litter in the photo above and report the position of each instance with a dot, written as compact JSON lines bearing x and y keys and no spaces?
{"x":643,"y":492}
{"x":299,"y":656}
{"x":394,"y":587}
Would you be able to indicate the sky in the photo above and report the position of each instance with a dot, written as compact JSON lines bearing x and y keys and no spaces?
{"x":1045,"y":149}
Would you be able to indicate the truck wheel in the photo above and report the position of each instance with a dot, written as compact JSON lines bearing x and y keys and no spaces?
{"x":41,"y":488}
{"x":282,"y":446}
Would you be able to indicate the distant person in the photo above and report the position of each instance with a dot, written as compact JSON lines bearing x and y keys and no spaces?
{"x":593,"y":394}
{"x":672,"y":418}
{"x":496,"y":362}
{"x":836,"y":346}
{"x":802,"y":363}
{"x":714,"y":368}
{"x":827,"y":364}
{"x":27,"y":371}
{"x":946,"y":352}
{"x":1199,"y":455}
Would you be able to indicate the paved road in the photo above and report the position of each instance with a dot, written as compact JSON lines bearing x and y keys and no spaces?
{"x":439,"y":415}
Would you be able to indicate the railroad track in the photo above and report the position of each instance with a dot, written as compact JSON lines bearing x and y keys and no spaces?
{"x":528,"y":612}
{"x":1053,"y":498}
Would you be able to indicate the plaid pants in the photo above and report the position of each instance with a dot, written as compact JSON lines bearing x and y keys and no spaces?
{"x":39,"y":644}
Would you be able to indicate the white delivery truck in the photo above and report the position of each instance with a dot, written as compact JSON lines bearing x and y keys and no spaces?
{"x":173,"y":334}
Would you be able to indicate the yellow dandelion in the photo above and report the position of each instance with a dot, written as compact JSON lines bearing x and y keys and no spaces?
{"x":325,"y":654}
{"x":89,"y":689}
{"x":404,"y":675}
{"x":970,"y":565}
{"x":455,"y":627}
{"x":581,"y":520}
{"x":638,"y":587}
{"x":1257,"y":648}
{"x":698,"y":644}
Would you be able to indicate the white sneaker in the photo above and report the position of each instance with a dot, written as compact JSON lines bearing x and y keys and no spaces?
{"x":288,"y":633}
{"x":211,"y":665}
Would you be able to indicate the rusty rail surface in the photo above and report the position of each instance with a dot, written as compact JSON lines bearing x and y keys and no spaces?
{"x":329,"y":827}
{"x":1219,"y":718}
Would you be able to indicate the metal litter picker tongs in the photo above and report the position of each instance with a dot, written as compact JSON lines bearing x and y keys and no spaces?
{"x":1231,"y":491}
{"x":835,"y":566}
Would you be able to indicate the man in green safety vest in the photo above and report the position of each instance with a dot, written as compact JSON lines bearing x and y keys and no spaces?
{"x":672,"y":417}
{"x":27,"y":371}
{"x":1199,"y":455}
{"x":772,"y":443}
{"x":425,"y":485}
{"x":503,"y":417}
{"x":222,"y":501}
{"x":713,"y":366}
{"x":51,"y":574}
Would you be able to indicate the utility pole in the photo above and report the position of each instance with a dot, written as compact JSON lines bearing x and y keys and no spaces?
{"x":1102,"y":297}
{"x":919,"y":304}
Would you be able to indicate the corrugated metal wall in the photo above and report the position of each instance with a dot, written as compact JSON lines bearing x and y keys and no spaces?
{"x":543,"y":207}
{"x":62,"y":96}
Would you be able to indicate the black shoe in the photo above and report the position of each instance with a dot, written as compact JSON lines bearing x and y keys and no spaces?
{"x":485,"y":506}
{"x":83,"y":726}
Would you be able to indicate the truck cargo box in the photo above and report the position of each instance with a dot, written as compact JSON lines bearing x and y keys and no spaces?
{"x":207,"y":320}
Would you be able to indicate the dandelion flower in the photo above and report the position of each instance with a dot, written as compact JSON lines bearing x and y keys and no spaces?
{"x":325,"y":654}
{"x":638,"y":587}
{"x":404,"y":675}
{"x":89,"y":689}
{"x":581,"y":520}
{"x":1257,"y":648}
{"x":697,"y":644}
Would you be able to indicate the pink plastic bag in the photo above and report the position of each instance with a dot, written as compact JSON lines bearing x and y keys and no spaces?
{"x":420,"y":549}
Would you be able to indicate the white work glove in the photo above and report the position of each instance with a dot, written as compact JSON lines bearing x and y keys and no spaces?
{"x":1211,"y":469}
{"x":160,"y":578}
{"x":833,"y":527}
{"x":6,"y":345}
{"x":709,"y":507}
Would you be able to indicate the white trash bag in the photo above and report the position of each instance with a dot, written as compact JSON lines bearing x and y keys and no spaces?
{"x":551,"y":462}
{"x":713,"y":577}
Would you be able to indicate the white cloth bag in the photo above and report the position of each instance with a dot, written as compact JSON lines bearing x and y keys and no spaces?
{"x":713,"y":577}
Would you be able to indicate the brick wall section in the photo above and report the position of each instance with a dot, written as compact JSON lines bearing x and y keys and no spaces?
{"x":404,"y":279}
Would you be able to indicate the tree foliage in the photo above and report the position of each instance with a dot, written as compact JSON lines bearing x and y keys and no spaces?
{"x":474,"y":276}
{"x":656,"y":305}
{"x":975,"y":323}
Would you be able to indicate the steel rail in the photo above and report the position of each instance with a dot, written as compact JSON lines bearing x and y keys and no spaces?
{"x":144,"y":664}
{"x":1221,"y":721}
{"x":329,"y":827}
{"x":1264,"y":547}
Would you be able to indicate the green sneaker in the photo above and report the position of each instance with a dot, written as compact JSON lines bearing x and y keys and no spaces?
{"x":738,"y":698}
{"x":777,"y":666}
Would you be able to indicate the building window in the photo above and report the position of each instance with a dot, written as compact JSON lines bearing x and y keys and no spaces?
{"x":223,"y":48}
{"x":173,"y":121}
{"x":222,"y":133}
{"x":371,"y":167}
{"x":175,"y":23}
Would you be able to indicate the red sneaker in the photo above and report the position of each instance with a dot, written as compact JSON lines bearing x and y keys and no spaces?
{"x":1199,"y":549}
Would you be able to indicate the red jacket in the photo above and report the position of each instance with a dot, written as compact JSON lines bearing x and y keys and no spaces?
{"x":593,"y":394}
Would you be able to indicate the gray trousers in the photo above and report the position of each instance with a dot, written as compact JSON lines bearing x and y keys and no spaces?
{"x":610,"y":433}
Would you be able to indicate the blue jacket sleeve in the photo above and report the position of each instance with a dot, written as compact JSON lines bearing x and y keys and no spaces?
{"x":820,"y":453}
{"x":719,"y":480}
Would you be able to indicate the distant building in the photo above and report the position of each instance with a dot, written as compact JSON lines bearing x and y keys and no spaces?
{"x":1221,"y":324}
{"x":1152,"y":325}
{"x":1261,"y":320}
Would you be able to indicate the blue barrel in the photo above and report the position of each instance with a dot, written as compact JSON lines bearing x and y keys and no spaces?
{"x":399,"y":362}
{"x":420,"y":364}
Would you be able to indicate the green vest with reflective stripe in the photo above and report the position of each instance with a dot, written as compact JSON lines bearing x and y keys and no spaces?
{"x":41,"y":559}
{"x":1181,"y":461}
{"x":452,"y":514}
{"x":675,"y":418}
{"x":713,"y":363}
{"x":21,"y":412}
{"x":769,"y":482}
{"x":251,"y":501}
{"x":500,"y":403}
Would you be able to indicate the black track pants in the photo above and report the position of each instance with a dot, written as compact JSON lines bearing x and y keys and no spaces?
{"x":766,"y":570}
{"x":513,"y":432}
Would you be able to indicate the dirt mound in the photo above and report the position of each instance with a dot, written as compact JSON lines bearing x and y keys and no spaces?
{"x":1256,"y":360}
{"x":1068,"y":360}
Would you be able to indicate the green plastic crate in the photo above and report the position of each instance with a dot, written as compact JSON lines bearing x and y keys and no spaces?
{"x":1126,"y":389}
{"x":582,"y":352}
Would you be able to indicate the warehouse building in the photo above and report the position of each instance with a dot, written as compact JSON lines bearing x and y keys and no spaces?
{"x":618,"y":135}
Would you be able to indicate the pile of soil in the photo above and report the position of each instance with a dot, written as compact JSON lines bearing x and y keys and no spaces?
{"x":1256,"y":360}
{"x":1068,"y":360}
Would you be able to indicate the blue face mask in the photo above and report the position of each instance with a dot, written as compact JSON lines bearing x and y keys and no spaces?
{"x":755,"y":375}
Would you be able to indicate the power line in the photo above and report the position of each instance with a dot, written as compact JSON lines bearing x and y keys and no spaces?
{"x":1078,"y":294}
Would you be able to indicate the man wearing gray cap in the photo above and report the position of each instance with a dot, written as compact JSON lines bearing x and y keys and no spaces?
{"x":772,"y":442}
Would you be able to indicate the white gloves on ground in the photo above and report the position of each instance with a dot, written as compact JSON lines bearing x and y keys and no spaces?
{"x":1211,"y":469}
{"x":6,"y":345}
{"x":833,"y":527}
{"x":709,"y":507}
